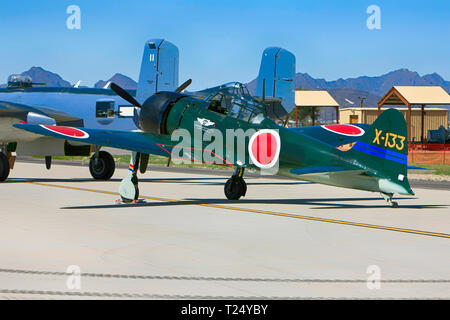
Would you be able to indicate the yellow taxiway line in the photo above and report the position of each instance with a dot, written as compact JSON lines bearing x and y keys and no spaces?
{"x":280,"y":214}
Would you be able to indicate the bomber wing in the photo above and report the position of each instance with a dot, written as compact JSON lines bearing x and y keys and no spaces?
{"x":130,"y":140}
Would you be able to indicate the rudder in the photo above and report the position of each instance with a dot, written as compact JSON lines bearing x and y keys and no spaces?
{"x":383,"y":149}
{"x":277,"y":76}
{"x":159,"y":69}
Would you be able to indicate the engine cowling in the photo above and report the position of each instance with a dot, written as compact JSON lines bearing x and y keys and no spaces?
{"x":155,"y":110}
{"x":35,"y":118}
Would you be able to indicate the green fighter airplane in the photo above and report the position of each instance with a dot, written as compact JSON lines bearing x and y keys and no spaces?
{"x":228,"y":126}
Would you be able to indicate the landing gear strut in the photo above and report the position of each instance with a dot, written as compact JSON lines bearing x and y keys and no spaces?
{"x":235,"y":187}
{"x":129,"y":190}
{"x":388,"y":198}
{"x":48,"y":162}
{"x":4,"y":166}
{"x":102,"y":165}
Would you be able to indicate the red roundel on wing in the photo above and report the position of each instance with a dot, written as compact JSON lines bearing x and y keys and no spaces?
{"x":345,"y":129}
{"x":264,"y":148}
{"x":67,"y":131}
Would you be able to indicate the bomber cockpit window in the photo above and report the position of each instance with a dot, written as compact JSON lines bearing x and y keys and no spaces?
{"x":16,"y":81}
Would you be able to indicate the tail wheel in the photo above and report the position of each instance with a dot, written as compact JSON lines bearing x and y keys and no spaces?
{"x":235,"y":188}
{"x":4,"y":167}
{"x":103,"y":167}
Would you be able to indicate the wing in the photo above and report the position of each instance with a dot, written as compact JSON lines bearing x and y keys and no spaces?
{"x":128,"y":140}
{"x":335,"y":134}
{"x":20,"y":111}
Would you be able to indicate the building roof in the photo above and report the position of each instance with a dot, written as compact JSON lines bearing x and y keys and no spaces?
{"x":384,"y":108}
{"x":416,"y":95}
{"x":314,"y":98}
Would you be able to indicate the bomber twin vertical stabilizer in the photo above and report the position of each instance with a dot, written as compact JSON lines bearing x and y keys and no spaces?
{"x":277,"y":76}
{"x":159,"y":69}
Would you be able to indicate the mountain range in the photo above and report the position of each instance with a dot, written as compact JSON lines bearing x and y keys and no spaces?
{"x":119,"y":79}
{"x":347,"y":92}
{"x":51,"y":79}
{"x":371,"y":88}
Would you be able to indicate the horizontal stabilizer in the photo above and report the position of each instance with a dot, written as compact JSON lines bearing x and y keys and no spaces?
{"x":334,"y":134}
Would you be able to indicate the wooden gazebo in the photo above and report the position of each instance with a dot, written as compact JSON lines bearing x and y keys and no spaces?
{"x":415,"y":95}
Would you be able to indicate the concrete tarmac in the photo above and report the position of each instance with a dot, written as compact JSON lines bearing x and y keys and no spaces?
{"x":286,"y":239}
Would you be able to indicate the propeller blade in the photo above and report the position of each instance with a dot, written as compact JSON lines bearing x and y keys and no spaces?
{"x":125,"y":95}
{"x":183,"y":86}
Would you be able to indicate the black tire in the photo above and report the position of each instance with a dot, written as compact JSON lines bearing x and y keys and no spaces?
{"x":105,"y":167}
{"x":4,"y":167}
{"x":235,"y":188}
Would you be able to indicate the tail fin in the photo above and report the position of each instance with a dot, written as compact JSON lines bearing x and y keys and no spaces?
{"x":383,"y":150}
{"x":159,"y":69}
{"x":277,"y":76}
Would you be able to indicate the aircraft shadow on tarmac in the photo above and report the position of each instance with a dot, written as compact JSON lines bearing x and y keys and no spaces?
{"x":318,"y":203}
{"x":155,"y":180}
{"x":325,"y":203}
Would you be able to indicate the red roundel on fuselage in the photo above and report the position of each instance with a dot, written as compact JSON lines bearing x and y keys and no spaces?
{"x":67,"y":131}
{"x":344,"y":129}
{"x":264,"y":148}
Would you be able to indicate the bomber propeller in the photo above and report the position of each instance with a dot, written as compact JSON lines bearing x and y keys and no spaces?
{"x":125,"y":95}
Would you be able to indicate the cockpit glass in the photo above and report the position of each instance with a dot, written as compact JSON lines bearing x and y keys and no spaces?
{"x":234,"y":99}
{"x":235,"y":108}
{"x":245,"y":90}
{"x":256,"y":118}
{"x":245,"y":114}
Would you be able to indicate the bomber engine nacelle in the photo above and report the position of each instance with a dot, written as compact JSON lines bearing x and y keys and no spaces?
{"x":35,"y":118}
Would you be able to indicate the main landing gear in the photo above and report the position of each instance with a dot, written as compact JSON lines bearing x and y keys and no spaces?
{"x":388,"y":198}
{"x":129,"y":190}
{"x":102,"y":165}
{"x":235,"y":187}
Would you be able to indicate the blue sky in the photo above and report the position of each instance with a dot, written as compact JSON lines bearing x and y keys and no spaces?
{"x":222,"y":41}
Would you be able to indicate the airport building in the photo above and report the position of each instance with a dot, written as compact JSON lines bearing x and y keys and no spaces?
{"x":316,"y":99}
{"x":433,"y":118}
{"x":413,"y":101}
